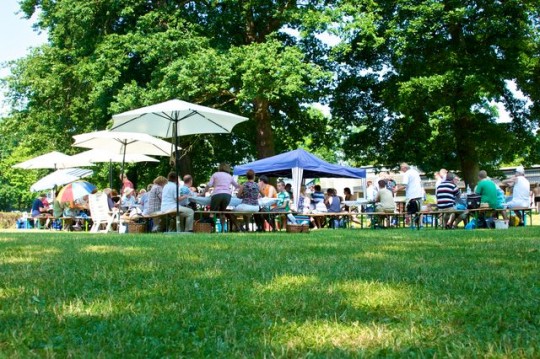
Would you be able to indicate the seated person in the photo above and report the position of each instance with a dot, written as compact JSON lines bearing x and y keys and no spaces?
{"x":249,"y":192}
{"x":154,"y":203}
{"x":384,"y":201}
{"x":447,"y":192}
{"x":332,"y":201}
{"x":110,"y":202}
{"x":186,"y":192}
{"x":38,"y":208}
{"x":304,"y":201}
{"x":520,"y":192}
{"x":283,"y":203}
{"x":268,"y":191}
{"x":487,"y":189}
{"x":39,"y":211}
{"x":317,"y":196}
{"x":128,"y":199}
{"x":169,"y":203}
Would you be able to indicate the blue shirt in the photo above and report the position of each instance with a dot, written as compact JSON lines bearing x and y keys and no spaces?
{"x":185,"y":191}
{"x":36,"y":206}
{"x":168,"y":198}
{"x":317,"y":197}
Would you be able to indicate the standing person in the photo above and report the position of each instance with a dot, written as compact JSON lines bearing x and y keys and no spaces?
{"x":536,"y":192}
{"x":169,"y":200}
{"x":221,"y":181}
{"x":249,"y":193}
{"x":520,"y":193}
{"x":412,"y":184}
{"x":126,"y":183}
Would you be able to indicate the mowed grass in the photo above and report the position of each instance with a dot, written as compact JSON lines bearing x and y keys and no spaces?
{"x":343,"y":293}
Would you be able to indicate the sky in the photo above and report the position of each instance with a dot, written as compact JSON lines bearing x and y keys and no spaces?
{"x":16,"y":37}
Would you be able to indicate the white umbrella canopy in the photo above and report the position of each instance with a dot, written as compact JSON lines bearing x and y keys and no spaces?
{"x":159,"y":119}
{"x":122,"y":143}
{"x":59,"y":178}
{"x":174,"y":118}
{"x":98,"y":156}
{"x":54,"y":159}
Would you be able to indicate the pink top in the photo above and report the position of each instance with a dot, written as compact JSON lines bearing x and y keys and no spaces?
{"x":221,"y":181}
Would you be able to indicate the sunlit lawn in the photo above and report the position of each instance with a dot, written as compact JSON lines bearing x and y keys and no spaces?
{"x":325,"y":294}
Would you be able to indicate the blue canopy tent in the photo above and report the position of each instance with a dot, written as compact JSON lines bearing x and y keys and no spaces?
{"x":298,"y":164}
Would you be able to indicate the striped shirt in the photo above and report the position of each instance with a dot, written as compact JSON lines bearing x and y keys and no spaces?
{"x":446,"y":195}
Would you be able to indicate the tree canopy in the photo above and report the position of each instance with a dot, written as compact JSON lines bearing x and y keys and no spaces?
{"x":418,"y":81}
{"x":412,"y":81}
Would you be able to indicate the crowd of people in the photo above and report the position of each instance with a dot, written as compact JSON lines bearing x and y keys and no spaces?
{"x":167,"y":195}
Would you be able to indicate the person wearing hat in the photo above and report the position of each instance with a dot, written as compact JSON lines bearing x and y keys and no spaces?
{"x":128,"y":199}
{"x":126,"y":183}
{"x":521,"y":191}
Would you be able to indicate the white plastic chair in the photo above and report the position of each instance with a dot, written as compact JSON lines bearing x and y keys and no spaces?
{"x":100,"y":214}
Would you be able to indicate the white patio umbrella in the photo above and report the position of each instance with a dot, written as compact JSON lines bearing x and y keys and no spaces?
{"x":59,"y":178}
{"x":54,"y":160}
{"x":124,"y":143}
{"x":101,"y":156}
{"x":175,"y":118}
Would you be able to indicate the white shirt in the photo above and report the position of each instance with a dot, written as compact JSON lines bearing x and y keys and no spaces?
{"x":413,"y":184}
{"x":520,"y":194}
{"x":168,"y":198}
{"x":371,"y":193}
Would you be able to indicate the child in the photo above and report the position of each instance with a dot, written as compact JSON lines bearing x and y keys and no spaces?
{"x":283,"y":203}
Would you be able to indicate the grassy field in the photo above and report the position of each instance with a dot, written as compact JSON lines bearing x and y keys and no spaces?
{"x":344,"y":293}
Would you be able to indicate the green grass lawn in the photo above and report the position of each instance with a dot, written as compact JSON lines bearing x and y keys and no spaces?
{"x":326,"y":294}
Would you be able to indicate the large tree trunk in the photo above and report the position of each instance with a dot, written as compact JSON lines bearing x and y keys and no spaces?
{"x":466,"y":150}
{"x":265,"y":135}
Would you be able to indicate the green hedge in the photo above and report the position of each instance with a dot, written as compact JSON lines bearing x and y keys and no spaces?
{"x":8,"y":220}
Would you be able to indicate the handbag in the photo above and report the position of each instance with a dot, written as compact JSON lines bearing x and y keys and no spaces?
{"x":473,"y":201}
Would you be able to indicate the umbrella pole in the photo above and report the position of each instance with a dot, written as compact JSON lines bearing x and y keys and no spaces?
{"x":110,"y":175}
{"x":123,"y":162}
{"x":177,"y":169}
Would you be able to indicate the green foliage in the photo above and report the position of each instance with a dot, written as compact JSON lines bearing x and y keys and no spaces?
{"x":343,"y":293}
{"x":110,"y":56}
{"x":419,"y":79}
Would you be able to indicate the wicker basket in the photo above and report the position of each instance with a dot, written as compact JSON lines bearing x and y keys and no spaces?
{"x":135,"y":227}
{"x":202,"y":227}
{"x":298,"y":228}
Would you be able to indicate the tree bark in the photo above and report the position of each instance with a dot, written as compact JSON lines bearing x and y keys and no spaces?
{"x":466,"y":150}
{"x":265,"y":135}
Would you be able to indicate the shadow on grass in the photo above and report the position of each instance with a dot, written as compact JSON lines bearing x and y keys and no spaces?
{"x":341,"y":293}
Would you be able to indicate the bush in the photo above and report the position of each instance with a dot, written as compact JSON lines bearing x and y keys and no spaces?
{"x":8,"y":220}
